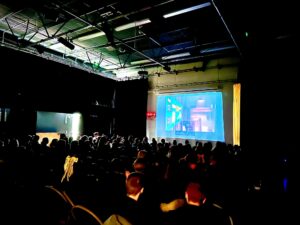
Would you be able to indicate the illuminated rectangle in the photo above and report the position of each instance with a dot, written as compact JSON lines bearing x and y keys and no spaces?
{"x":133,"y":24}
{"x":197,"y":116}
{"x":140,"y":62}
{"x":176,"y":56}
{"x":182,"y":11}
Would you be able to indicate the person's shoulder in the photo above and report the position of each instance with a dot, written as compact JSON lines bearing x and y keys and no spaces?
{"x":219,"y":214}
{"x":116,"y":219}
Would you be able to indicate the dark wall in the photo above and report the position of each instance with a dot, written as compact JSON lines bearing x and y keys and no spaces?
{"x":270,"y":114}
{"x":270,"y":93}
{"x":131,"y":106}
{"x":30,"y":83}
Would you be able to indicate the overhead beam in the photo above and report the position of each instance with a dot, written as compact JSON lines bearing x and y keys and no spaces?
{"x":127,"y":40}
{"x":10,"y":14}
{"x":12,"y":32}
{"x":66,"y":21}
{"x":227,"y":28}
{"x":119,"y":40}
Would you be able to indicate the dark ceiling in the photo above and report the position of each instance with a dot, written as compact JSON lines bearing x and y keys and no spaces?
{"x":116,"y":39}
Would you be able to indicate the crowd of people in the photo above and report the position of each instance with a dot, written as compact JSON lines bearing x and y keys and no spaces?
{"x":157,"y":182}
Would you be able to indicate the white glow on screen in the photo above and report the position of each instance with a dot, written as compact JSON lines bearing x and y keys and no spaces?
{"x":197,"y":116}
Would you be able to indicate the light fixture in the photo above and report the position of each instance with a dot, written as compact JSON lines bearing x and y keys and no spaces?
{"x":106,"y":31}
{"x":176,"y":56}
{"x":110,"y":67}
{"x":91,"y":36}
{"x":216,"y":49}
{"x":140,"y":62}
{"x":203,"y":5}
{"x":66,"y":43}
{"x":133,"y":24}
{"x":120,"y":28}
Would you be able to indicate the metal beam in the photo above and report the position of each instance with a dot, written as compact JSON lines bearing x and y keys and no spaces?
{"x":61,"y":26}
{"x":141,"y":10}
{"x":43,"y":22}
{"x":154,"y":41}
{"x":59,"y":59}
{"x":127,"y":40}
{"x":11,"y":30}
{"x":50,"y":38}
{"x":85,"y":27}
{"x":10,"y":14}
{"x":122,"y":42}
{"x":227,"y":28}
{"x":27,"y":25}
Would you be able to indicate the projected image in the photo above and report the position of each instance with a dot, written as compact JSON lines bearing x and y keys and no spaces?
{"x":54,"y":122}
{"x":190,"y":116}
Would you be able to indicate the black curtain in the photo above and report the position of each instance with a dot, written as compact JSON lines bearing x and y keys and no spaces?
{"x":130,"y":107}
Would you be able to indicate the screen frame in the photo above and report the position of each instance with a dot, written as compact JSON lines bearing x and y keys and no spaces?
{"x":203,"y":136}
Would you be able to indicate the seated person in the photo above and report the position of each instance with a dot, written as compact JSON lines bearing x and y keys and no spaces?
{"x":130,"y":208}
{"x":135,"y":207}
{"x":197,"y":209}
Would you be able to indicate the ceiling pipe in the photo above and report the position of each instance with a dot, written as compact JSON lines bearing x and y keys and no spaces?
{"x":173,"y":61}
{"x":155,"y":42}
{"x":192,"y":47}
{"x":119,"y":40}
{"x":127,"y":40}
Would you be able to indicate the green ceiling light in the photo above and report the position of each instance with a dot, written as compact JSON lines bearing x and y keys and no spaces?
{"x":246,"y":34}
{"x":96,"y":65}
{"x":133,"y":24}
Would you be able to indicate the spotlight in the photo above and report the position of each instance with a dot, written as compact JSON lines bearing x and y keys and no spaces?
{"x":66,"y":43}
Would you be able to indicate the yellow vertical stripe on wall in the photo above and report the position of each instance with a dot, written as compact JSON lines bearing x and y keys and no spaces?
{"x":236,"y":113}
